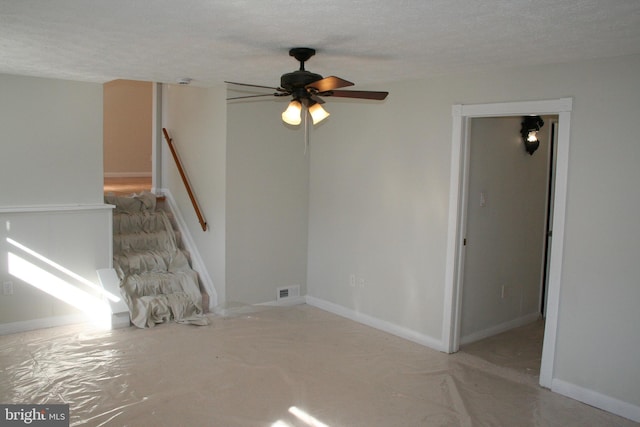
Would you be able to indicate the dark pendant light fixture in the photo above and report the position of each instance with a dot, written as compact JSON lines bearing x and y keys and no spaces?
{"x":529,"y":131}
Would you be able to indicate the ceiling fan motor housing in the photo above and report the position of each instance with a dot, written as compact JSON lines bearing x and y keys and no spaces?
{"x":298,"y":79}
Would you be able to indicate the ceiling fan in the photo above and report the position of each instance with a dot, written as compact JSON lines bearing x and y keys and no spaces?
{"x":306,"y":88}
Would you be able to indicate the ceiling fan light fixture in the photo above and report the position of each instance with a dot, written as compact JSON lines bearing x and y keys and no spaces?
{"x":292,"y":114}
{"x":306,"y":88}
{"x":318,"y":113}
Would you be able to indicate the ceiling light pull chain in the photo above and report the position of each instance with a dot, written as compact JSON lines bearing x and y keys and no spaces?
{"x":306,"y":130}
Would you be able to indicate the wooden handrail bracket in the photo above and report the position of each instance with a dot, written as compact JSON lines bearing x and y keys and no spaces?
{"x":194,"y":202}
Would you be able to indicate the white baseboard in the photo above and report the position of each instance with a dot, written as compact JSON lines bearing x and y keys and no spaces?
{"x":502,"y":327}
{"x":42,"y":323}
{"x":598,"y":400}
{"x":120,"y":320}
{"x":376,"y":323}
{"x":127,"y":174}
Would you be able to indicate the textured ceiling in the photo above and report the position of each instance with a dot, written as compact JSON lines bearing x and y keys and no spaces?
{"x":364,"y":41}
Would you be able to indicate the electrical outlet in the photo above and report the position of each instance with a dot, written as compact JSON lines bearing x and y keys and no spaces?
{"x":361,"y":283}
{"x":504,"y":293}
{"x":483,"y":199}
{"x":352,"y":280}
{"x":7,"y":288}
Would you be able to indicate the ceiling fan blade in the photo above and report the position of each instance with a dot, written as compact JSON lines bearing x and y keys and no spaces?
{"x":279,"y":89}
{"x":361,"y":94}
{"x":253,"y":96}
{"x":329,"y":83}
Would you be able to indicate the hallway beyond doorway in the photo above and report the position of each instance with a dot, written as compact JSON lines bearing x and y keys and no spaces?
{"x":519,"y":348}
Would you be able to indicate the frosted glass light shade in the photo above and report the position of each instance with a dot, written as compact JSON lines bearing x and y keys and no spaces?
{"x":318,"y":113}
{"x":292,"y":114}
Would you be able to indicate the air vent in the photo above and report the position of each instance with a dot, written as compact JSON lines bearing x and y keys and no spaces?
{"x":288,"y":292}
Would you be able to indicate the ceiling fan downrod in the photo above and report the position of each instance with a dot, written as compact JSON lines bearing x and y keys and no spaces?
{"x":302,"y":54}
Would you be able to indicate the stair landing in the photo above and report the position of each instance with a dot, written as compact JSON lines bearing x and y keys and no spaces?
{"x":126,"y":186}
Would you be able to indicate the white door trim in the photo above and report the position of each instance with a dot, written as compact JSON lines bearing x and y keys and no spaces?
{"x":459,"y":172}
{"x":156,"y":137}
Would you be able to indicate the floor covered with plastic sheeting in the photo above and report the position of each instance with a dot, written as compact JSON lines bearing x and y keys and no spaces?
{"x":274,"y":367}
{"x":519,"y":348}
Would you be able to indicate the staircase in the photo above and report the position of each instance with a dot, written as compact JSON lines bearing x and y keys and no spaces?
{"x":153,"y":269}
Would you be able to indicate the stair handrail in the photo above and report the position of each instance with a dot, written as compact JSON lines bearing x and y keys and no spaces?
{"x":194,"y":202}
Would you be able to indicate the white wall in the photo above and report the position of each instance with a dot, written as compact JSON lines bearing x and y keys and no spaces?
{"x":379,"y":189}
{"x":55,"y":230}
{"x":267,"y":202}
{"x":250,"y":175}
{"x":50,"y":256}
{"x":51,"y":141}
{"x":196,"y":121}
{"x":379,"y":182}
{"x":505,"y":236}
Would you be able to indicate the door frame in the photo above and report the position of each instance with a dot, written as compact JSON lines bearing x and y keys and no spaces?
{"x":156,"y":137}
{"x":462,"y":115}
{"x":548,"y":228}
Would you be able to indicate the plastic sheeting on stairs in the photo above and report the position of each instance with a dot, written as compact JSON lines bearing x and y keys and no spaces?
{"x":156,"y":279}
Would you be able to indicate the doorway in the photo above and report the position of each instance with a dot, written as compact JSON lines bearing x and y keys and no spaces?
{"x":127,"y":136}
{"x":462,"y":115}
{"x":506,"y":222}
